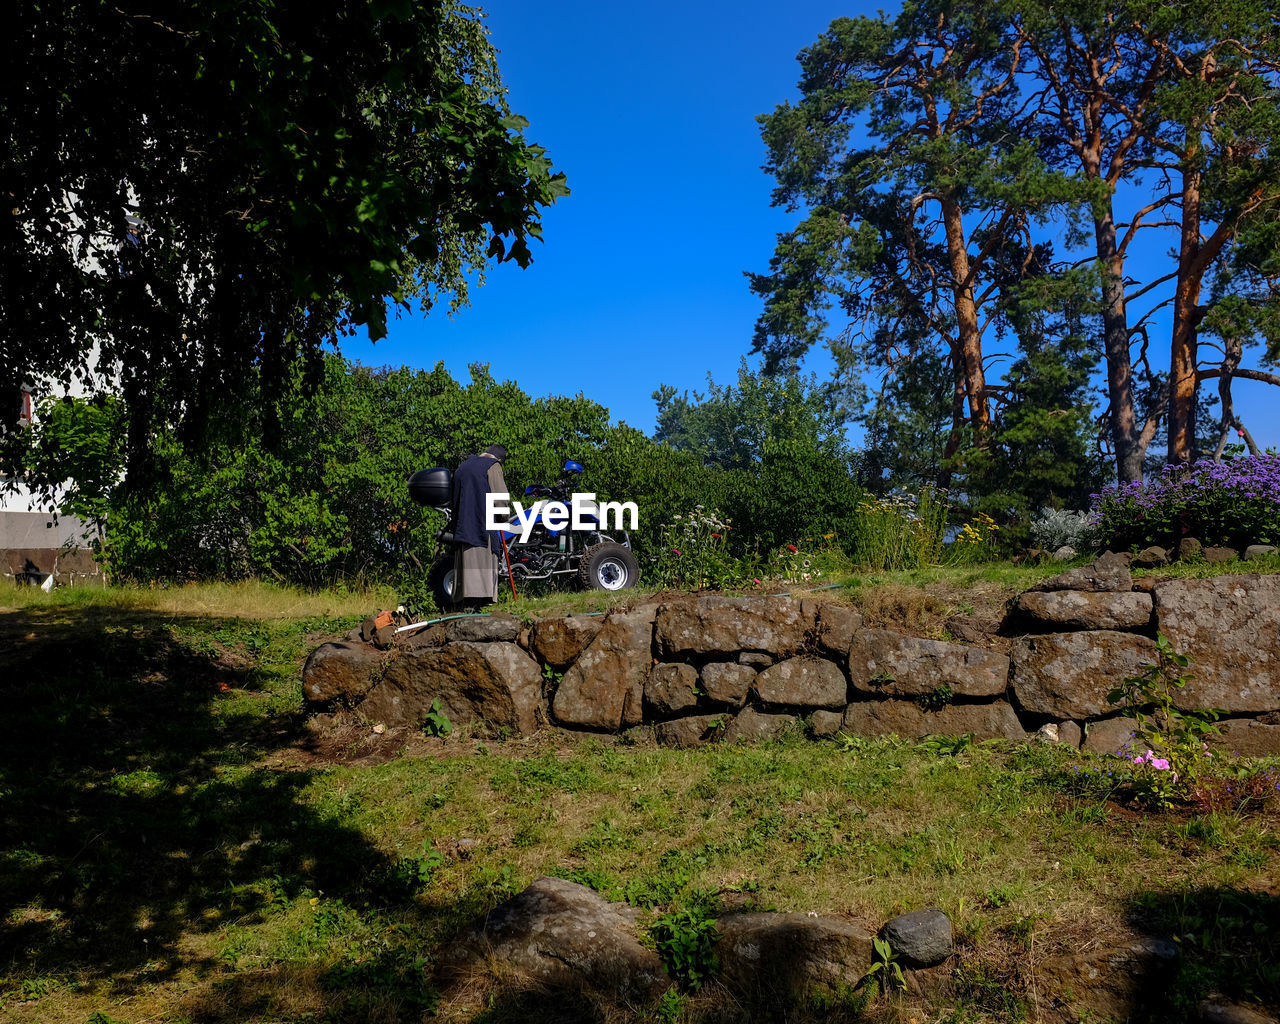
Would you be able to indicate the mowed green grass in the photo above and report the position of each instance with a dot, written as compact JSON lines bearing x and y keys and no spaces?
{"x":175,"y":845}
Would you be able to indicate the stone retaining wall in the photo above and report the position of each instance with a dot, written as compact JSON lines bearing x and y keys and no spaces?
{"x":704,"y":668}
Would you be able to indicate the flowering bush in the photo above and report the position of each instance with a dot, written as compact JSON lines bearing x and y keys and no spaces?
{"x":792,"y":564}
{"x":1236,"y":502}
{"x":1174,"y":740}
{"x":973,"y":542}
{"x":1054,"y":527}
{"x":695,"y":553}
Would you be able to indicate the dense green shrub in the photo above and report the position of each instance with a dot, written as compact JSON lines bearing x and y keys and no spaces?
{"x":312,"y":490}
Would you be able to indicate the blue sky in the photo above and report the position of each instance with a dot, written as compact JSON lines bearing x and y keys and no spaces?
{"x":650,"y":111}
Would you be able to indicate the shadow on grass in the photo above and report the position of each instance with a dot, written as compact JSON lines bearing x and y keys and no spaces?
{"x":130,"y":812}
{"x":1229,"y":946}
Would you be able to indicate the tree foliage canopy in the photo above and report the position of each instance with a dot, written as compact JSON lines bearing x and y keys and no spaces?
{"x":952,"y":161}
{"x":202,"y":194}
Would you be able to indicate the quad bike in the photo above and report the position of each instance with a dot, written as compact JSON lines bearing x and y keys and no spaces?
{"x":598,"y":560}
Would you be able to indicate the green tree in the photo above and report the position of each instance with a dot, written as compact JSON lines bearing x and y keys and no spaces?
{"x":774,"y":447}
{"x":1172,"y":108}
{"x":913,"y":234}
{"x":201,"y":194}
{"x":730,"y":426}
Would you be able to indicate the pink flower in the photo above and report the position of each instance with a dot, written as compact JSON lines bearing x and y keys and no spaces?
{"x":675,"y":551}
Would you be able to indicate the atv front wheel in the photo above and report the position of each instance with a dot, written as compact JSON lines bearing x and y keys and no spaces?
{"x":608,"y":566}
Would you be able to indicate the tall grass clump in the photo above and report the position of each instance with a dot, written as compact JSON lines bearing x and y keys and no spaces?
{"x":900,"y":531}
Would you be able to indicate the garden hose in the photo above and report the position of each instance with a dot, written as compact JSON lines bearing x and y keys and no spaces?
{"x":443,"y":618}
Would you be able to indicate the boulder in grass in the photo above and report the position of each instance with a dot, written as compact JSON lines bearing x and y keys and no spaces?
{"x":694,"y":731}
{"x":750,"y":724}
{"x":1115,"y":736}
{"x":1153,"y":557}
{"x":1254,"y":551}
{"x":921,"y":938}
{"x":564,"y":934}
{"x":1189,"y":549}
{"x":788,"y":954}
{"x":996,"y":720}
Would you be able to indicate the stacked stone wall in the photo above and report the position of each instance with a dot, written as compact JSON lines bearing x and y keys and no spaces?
{"x":705,"y":668}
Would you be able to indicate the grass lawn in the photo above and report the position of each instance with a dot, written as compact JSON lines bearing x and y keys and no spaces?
{"x":175,"y":845}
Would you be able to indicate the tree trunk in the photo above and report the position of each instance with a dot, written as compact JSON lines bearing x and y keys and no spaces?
{"x":1115,"y":330}
{"x":1182,"y":351}
{"x":947,"y":468}
{"x":969,"y":341}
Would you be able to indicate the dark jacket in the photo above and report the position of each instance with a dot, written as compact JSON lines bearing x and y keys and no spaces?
{"x":471,"y":483}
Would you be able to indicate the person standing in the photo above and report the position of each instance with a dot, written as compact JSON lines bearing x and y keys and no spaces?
{"x":476,"y":560}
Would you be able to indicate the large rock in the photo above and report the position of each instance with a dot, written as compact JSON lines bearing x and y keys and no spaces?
{"x":723,"y":626}
{"x":671,"y":688}
{"x":1111,"y":983}
{"x":903,"y":718}
{"x":1254,"y":551}
{"x":750,"y":724}
{"x":690,"y":732}
{"x":497,"y":684}
{"x":343,"y":671}
{"x":483,"y":629}
{"x":824,"y":724}
{"x":1229,"y":627}
{"x":1068,"y":675}
{"x":557,"y":642}
{"x":803,"y":682}
{"x":1109,"y":572}
{"x":1249,"y":738}
{"x":727,"y":682}
{"x":604,"y":688}
{"x":1150,"y":558}
{"x":1111,"y":736}
{"x":784,"y":955}
{"x":921,"y":938}
{"x":563,"y":934}
{"x":1066,"y":733}
{"x":895,"y":665}
{"x":1189,"y":549}
{"x":1214,"y":555}
{"x":837,"y":625}
{"x":1077,"y":609}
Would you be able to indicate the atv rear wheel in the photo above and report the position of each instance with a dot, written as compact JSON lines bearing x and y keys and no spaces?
{"x":441,"y":580}
{"x":608,"y":566}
